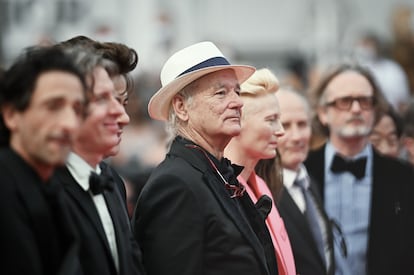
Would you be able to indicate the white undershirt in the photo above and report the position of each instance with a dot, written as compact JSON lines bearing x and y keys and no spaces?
{"x":289,"y":177}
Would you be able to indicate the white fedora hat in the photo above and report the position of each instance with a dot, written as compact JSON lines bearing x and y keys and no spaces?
{"x":184,"y":67}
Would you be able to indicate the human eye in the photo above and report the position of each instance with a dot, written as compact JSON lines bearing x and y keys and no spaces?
{"x":122,"y":100}
{"x":221,"y":92}
{"x":273,"y":118}
{"x":55,"y":104}
{"x":79,"y":109}
{"x":125,"y":102}
{"x":303,"y":124}
{"x":101,"y":98}
{"x":365,"y":101}
{"x":345,"y":100}
{"x":286,"y":125}
{"x":237,"y":91}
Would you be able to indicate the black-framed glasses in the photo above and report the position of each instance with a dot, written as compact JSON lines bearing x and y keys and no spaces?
{"x":345,"y":103}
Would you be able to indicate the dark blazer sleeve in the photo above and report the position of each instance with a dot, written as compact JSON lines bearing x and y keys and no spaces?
{"x":391,"y":240}
{"x":17,"y":238}
{"x":35,"y":235}
{"x":166,"y":207}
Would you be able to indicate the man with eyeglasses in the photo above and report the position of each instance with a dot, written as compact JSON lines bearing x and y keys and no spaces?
{"x":369,"y":195}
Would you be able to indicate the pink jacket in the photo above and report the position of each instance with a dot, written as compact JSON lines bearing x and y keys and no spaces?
{"x":285,"y":262}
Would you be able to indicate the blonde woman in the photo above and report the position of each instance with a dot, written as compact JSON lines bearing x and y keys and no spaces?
{"x":258,"y":139}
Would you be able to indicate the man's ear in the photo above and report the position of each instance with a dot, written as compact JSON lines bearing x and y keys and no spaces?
{"x":10,"y":117}
{"x":180,"y":107}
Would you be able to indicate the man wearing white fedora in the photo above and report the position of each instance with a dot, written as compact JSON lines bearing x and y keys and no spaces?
{"x":193,"y":216}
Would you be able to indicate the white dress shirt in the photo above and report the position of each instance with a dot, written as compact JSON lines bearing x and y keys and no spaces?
{"x":289,"y":177}
{"x":81,"y":171}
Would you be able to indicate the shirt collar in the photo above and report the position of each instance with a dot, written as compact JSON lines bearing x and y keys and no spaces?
{"x":289,"y":176}
{"x":80,"y":170}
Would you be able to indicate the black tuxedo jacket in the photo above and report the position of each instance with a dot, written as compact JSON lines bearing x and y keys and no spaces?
{"x":36,"y":234}
{"x":391,"y":238}
{"x":187,"y":224}
{"x":95,"y":254}
{"x":308,"y":260}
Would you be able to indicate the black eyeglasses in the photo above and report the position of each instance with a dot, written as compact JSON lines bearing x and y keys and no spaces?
{"x":345,"y":103}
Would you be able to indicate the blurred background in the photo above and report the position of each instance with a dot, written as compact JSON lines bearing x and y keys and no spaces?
{"x":296,"y":39}
{"x":263,"y":32}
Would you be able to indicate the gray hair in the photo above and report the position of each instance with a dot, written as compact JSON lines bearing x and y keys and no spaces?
{"x":174,"y":123}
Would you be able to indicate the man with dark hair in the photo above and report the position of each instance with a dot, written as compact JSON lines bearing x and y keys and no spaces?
{"x":42,"y":104}
{"x":96,"y":195}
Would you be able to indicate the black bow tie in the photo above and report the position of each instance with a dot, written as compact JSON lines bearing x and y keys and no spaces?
{"x":99,"y":183}
{"x":356,"y":167}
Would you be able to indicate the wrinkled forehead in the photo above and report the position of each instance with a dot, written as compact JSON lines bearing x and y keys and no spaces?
{"x":348,"y":83}
{"x":219,"y":78}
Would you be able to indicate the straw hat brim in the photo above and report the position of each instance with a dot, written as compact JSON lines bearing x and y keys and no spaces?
{"x":159,"y":103}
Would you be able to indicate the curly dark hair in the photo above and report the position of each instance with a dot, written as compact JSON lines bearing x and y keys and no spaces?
{"x":125,"y":58}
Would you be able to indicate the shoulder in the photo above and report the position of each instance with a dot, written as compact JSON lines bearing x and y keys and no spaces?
{"x":175,"y":181}
{"x":315,"y":154}
{"x":12,"y":174}
{"x":315,"y":163}
{"x":385,"y":163}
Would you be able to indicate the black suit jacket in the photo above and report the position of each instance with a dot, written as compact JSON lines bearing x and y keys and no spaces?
{"x":187,"y":224}
{"x":36,"y":234}
{"x":95,"y":254}
{"x":391,"y":238}
{"x":308,"y":260}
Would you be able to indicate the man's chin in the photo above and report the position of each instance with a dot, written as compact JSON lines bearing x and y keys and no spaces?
{"x":113,"y":151}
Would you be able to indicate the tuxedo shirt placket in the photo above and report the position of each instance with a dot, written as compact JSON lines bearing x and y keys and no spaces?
{"x":347,"y":201}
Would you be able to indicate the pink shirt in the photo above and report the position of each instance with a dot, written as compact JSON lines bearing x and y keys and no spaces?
{"x":285,"y":262}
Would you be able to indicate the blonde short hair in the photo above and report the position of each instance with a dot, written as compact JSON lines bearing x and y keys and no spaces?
{"x":263,"y":81}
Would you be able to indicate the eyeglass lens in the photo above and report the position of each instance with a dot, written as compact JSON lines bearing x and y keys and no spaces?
{"x":345,"y":103}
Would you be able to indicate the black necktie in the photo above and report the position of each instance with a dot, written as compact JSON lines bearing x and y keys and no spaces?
{"x":99,"y":183}
{"x":356,"y":167}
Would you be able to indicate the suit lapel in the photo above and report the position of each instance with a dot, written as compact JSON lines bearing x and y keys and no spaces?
{"x":230,"y":206}
{"x":291,"y":211}
{"x":28,"y":183}
{"x":114,"y":208}
{"x":315,"y":165}
{"x":83,"y":200}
